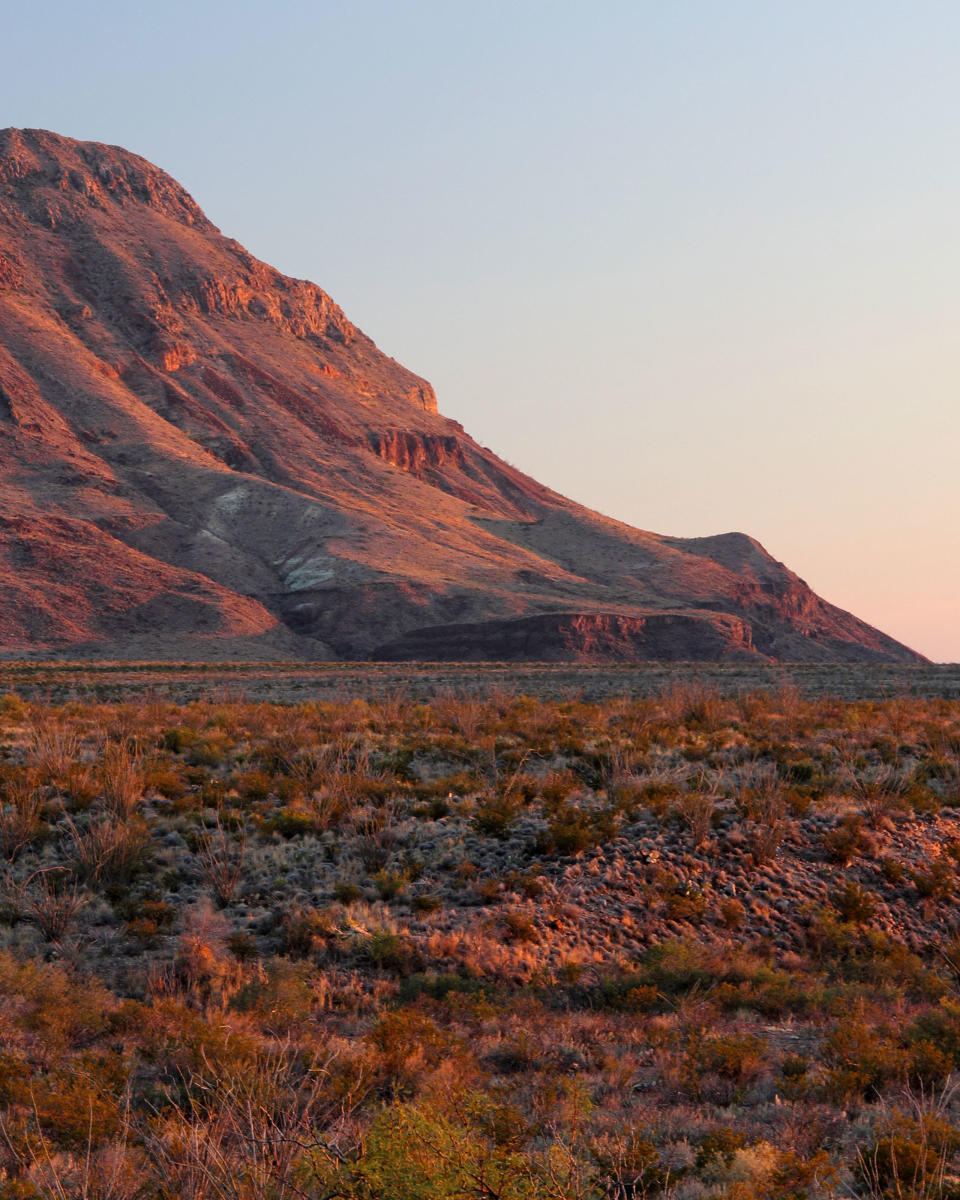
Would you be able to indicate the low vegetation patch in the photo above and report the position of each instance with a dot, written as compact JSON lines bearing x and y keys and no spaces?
{"x":688,"y":945}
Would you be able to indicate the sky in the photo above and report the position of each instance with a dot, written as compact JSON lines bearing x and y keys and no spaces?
{"x":695,"y":265}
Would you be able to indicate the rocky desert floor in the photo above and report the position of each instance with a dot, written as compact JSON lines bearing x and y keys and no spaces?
{"x":57,"y":680}
{"x":359,"y":931}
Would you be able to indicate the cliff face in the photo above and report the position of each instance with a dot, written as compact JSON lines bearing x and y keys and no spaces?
{"x":200,"y":457}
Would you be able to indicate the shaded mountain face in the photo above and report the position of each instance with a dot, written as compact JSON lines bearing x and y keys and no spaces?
{"x":203,"y":458}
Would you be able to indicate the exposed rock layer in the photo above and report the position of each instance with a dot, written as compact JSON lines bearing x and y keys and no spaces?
{"x":200,"y":457}
{"x":598,"y":637}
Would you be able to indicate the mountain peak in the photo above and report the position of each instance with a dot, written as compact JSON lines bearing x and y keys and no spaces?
{"x":75,"y":175}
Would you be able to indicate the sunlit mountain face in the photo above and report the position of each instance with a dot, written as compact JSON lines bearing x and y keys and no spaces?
{"x":203,"y":458}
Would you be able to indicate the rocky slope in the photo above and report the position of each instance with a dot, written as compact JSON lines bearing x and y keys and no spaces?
{"x":202,"y":458}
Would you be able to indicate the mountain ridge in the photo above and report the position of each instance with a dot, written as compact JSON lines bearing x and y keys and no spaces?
{"x":234,"y":469}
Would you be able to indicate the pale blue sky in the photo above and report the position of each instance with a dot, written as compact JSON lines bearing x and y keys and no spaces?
{"x":693,"y":264}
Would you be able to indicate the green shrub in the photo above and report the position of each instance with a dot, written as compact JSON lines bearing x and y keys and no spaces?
{"x":179,"y":739}
{"x":416,"y":1152}
{"x":940,"y":1026}
{"x":937,"y":882}
{"x":390,"y":884}
{"x":348,"y":893}
{"x":847,"y":840}
{"x":686,"y":902}
{"x":291,"y":822}
{"x":305,"y":931}
{"x":496,"y":812}
{"x":854,"y":903}
{"x":572,"y":828}
{"x":389,"y":950}
{"x":719,"y":1146}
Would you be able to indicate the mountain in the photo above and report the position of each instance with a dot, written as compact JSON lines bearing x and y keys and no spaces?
{"x":203,"y":458}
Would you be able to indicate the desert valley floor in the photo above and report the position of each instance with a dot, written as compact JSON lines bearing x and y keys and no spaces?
{"x":392,"y":933}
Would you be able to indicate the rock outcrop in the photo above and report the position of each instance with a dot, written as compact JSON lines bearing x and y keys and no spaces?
{"x":202,"y":458}
{"x":581,"y":637}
